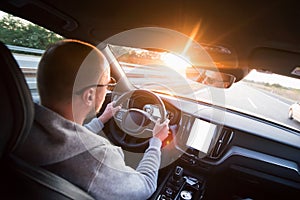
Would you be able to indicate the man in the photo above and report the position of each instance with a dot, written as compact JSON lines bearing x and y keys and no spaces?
{"x":72,"y":80}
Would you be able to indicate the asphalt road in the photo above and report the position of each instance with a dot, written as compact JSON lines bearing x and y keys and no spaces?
{"x":260,"y":102}
{"x":254,"y":101}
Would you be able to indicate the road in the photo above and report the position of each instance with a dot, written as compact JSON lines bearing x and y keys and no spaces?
{"x":239,"y":96}
{"x":260,"y":102}
{"x":245,"y":98}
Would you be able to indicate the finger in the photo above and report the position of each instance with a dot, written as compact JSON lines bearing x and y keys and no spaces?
{"x":116,"y":109}
{"x":167,"y":121}
{"x":157,"y":121}
{"x":115,"y":106}
{"x":113,"y":103}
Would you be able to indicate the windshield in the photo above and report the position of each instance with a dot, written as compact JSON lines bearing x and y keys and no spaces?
{"x":264,"y":95}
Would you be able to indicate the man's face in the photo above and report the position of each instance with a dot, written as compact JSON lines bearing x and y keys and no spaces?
{"x":101,"y":92}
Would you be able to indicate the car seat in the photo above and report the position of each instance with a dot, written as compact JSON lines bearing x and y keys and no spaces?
{"x":20,"y":180}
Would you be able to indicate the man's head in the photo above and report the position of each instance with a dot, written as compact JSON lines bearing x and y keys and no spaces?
{"x":65,"y":71}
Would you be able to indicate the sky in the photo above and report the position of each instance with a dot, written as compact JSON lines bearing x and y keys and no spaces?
{"x":2,"y":14}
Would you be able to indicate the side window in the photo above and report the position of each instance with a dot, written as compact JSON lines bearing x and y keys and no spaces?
{"x":27,"y":41}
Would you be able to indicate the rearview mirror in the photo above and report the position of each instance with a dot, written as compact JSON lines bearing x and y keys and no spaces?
{"x":210,"y":77}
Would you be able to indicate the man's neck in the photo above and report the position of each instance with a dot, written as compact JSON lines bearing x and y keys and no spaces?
{"x":66,"y":111}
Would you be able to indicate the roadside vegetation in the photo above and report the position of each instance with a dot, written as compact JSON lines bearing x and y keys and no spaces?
{"x":18,"y":32}
{"x":276,"y":89}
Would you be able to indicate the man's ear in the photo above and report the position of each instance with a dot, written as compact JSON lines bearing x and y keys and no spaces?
{"x":88,"y":96}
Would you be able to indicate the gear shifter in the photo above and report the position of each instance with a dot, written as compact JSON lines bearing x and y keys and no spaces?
{"x":180,"y":186}
{"x":178,"y":173}
{"x":173,"y":185}
{"x":177,"y":177}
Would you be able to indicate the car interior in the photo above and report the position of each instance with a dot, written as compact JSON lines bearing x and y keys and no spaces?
{"x":213,"y":151}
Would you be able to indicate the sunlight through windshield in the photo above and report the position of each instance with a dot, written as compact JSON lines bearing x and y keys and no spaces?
{"x":267,"y":96}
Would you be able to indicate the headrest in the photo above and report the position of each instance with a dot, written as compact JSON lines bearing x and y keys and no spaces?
{"x":16,"y":105}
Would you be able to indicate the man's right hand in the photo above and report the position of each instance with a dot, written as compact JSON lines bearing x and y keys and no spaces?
{"x":109,"y":111}
{"x":161,"y":130}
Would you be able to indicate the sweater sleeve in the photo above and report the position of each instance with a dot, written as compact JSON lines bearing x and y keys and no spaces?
{"x":150,"y":163}
{"x":123,"y":182}
{"x":95,"y":125}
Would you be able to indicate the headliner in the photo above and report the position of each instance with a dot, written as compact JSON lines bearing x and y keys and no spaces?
{"x":243,"y":26}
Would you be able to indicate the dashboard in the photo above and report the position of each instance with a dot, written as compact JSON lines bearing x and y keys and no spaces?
{"x":226,"y":151}
{"x":232,"y":151}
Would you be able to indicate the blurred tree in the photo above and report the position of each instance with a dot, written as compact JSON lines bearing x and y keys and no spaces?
{"x":15,"y":31}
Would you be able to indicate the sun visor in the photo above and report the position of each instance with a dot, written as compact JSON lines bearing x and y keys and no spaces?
{"x":277,"y":61}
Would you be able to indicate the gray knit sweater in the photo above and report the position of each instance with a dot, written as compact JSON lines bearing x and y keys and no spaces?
{"x":88,"y":160}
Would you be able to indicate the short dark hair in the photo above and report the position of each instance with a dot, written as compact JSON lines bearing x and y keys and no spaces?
{"x":66,"y":66}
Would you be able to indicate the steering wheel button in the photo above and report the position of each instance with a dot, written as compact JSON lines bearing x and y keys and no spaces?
{"x":119,"y":115}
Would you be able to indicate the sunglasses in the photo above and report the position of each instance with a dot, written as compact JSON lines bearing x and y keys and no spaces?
{"x":110,"y":86}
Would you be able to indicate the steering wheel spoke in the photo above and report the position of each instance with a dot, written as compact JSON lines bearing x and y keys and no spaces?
{"x":151,"y":125}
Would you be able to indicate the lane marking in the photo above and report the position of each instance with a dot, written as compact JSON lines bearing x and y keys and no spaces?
{"x":272,"y":96}
{"x":251,"y":102}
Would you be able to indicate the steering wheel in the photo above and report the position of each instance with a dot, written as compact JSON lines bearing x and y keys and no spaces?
{"x":136,"y":120}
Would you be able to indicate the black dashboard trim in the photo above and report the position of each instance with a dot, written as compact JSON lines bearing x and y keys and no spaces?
{"x":237,"y":121}
{"x":246,"y":153}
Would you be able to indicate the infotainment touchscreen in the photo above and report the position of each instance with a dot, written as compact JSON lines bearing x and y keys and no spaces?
{"x":201,"y":135}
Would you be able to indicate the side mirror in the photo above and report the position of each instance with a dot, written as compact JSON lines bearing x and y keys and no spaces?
{"x":210,"y":77}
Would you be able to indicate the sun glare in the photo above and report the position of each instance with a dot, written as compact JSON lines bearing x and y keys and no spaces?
{"x":175,"y":62}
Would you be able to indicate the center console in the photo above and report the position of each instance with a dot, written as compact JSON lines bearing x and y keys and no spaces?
{"x":181,"y":186}
{"x":197,"y":141}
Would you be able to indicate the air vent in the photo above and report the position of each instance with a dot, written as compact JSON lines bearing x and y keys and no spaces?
{"x":224,"y":138}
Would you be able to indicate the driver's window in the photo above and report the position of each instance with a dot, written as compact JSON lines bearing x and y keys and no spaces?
{"x":27,"y":41}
